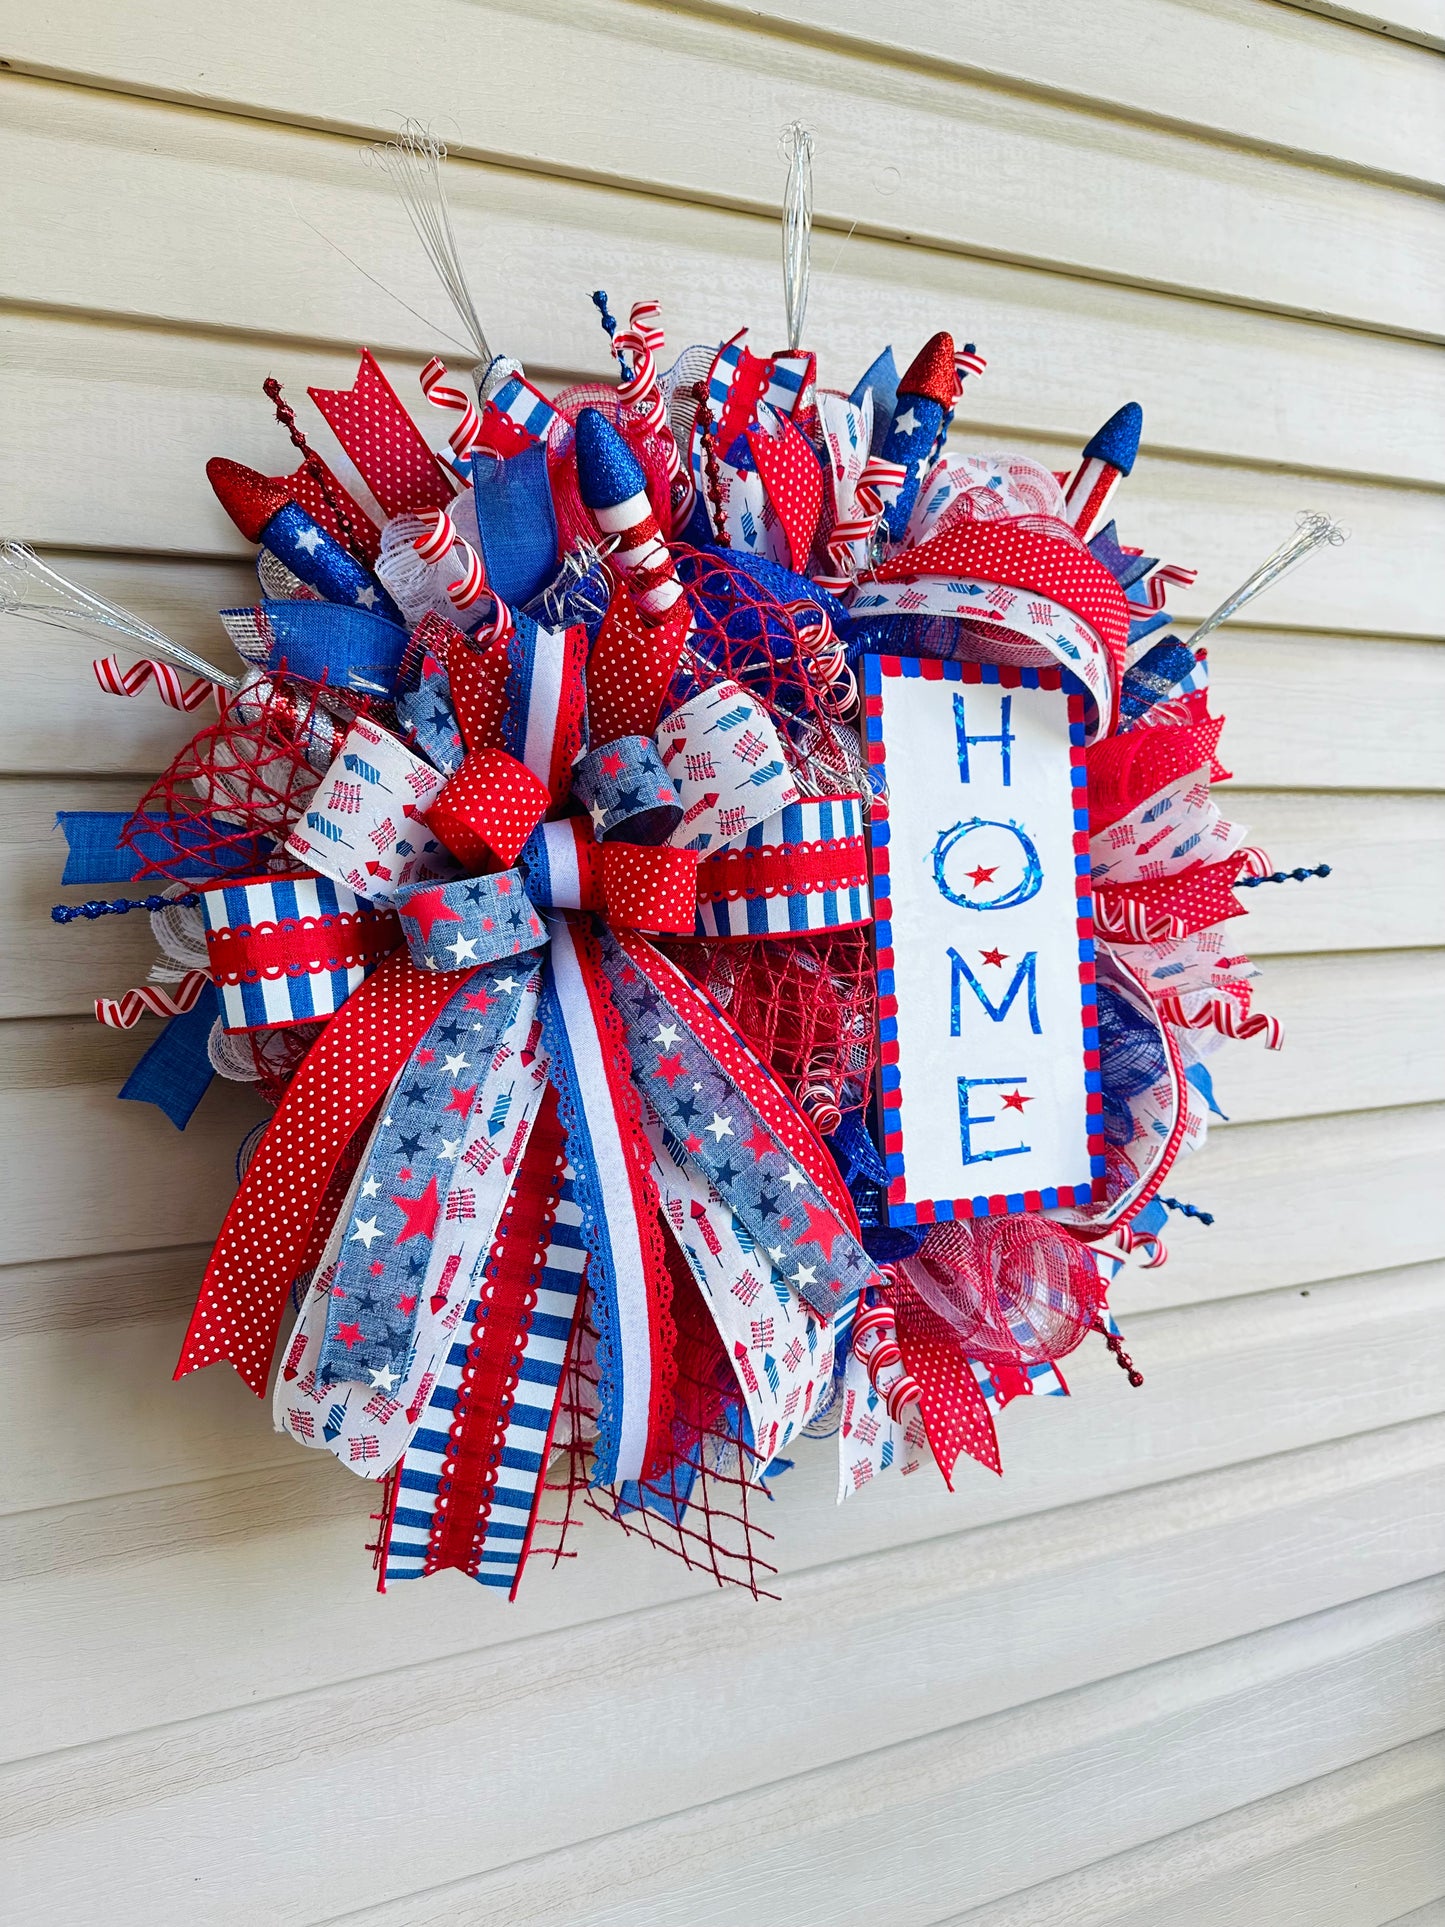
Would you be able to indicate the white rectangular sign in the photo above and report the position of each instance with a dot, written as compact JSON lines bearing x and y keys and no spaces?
{"x":989,"y":1045}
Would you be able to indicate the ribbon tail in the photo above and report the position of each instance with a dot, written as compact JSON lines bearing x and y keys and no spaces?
{"x":175,"y":1073}
{"x":955,"y":1413}
{"x":780,"y":1352}
{"x":371,"y":1366}
{"x":472,"y":1477}
{"x":631,"y":1287}
{"x":265,"y":1233}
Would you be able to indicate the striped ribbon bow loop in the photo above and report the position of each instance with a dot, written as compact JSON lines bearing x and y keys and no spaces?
{"x":799,"y":873}
{"x":288,"y":950}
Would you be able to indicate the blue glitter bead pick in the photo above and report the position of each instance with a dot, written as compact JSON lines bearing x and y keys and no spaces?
{"x":607,"y":470}
{"x":1117,"y":442}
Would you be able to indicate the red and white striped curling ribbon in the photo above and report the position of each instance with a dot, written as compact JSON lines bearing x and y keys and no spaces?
{"x":1131,"y":921}
{"x":875,"y":1341}
{"x":437,"y":542}
{"x":1255,"y":862}
{"x":468,"y":431}
{"x":174,"y":693}
{"x":1221,"y":1014}
{"x":1156,"y":583}
{"x":880,"y":480}
{"x":1122,"y":1241}
{"x":819,"y":1096}
{"x":642,"y":338}
{"x":825,"y":659}
{"x":124,"y":1013}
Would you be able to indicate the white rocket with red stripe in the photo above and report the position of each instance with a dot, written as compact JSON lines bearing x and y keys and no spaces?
{"x":1108,"y":458}
{"x":614,"y":490}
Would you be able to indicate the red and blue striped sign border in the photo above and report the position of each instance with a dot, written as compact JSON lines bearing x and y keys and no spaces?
{"x":1013,"y":1203}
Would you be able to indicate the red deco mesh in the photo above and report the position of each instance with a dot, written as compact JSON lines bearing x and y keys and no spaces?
{"x":702,"y":1507}
{"x":574,"y":524}
{"x":741,"y":630}
{"x":807,"y":1007}
{"x":244,"y":777}
{"x":1007,"y":1291}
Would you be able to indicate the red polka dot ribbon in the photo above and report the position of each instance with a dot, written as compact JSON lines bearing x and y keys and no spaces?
{"x":384,"y":442}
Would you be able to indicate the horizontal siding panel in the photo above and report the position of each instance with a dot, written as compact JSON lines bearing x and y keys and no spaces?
{"x":1346,"y":1850}
{"x":1278,"y":693}
{"x":1386,"y":889}
{"x":1287,"y":727}
{"x":1261,"y":74}
{"x":1028,"y":1792}
{"x":1419,"y":21}
{"x":1034,"y":1791}
{"x":119,"y":381}
{"x":88,"y":1174}
{"x":956,"y":1628}
{"x":1365,"y":1033}
{"x":1202,"y":1406}
{"x":1295,"y":1203}
{"x":1073,"y":190}
{"x":1366,"y":1030}
{"x":106,"y":1288}
{"x":240,"y":204}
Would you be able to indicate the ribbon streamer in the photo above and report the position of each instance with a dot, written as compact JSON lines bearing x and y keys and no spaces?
{"x":174,"y":693}
{"x":125,"y":1012}
{"x":258,"y":1253}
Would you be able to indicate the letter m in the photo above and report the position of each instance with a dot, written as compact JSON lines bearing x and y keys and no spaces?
{"x":998,"y":1011}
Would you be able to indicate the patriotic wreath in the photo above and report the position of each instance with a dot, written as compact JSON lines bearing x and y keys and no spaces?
{"x":546,"y":869}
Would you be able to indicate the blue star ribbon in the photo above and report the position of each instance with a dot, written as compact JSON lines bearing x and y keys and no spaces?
{"x":405,"y":1185}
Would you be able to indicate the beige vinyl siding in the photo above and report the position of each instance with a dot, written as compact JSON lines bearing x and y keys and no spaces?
{"x":1180,"y":1666}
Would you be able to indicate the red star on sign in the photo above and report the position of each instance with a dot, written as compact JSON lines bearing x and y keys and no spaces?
{"x":461,"y":1100}
{"x":349,"y":1335}
{"x":823,"y":1229}
{"x":431,"y":908}
{"x":1015,"y":1101}
{"x":420,"y":1213}
{"x":993,"y":956}
{"x":976,"y":877}
{"x":670,"y":1068}
{"x":759,"y":1143}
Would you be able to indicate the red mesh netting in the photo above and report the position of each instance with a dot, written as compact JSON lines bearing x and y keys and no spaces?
{"x":1008,"y":1291}
{"x":785,"y":654}
{"x":574,"y":523}
{"x":701,"y":1508}
{"x":807,"y":1005}
{"x":238,"y":786}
